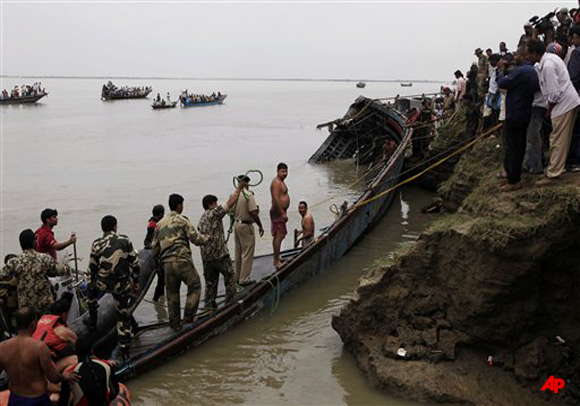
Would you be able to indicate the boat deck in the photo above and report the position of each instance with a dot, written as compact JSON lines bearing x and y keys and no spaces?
{"x":152,"y":335}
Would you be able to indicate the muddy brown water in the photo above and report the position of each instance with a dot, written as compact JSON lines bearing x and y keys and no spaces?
{"x":89,"y":158}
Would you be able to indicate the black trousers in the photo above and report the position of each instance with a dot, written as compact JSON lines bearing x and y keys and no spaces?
{"x":515,"y":140}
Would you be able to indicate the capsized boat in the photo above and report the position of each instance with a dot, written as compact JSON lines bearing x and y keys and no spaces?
{"x":361,"y":85}
{"x":410,"y":84}
{"x":157,"y":343}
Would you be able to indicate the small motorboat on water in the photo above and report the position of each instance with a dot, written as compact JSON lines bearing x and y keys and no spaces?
{"x":361,"y":85}
{"x":407,"y":84}
{"x":195,"y":100}
{"x":160,"y":103}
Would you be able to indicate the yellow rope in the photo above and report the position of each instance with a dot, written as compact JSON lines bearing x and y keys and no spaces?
{"x":412,"y":178}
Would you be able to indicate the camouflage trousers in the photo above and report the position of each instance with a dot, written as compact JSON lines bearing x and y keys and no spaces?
{"x":175,"y":273}
{"x":211,"y":272}
{"x":121,"y":292}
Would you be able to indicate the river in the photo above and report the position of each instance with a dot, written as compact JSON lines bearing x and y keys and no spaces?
{"x":88,"y":158}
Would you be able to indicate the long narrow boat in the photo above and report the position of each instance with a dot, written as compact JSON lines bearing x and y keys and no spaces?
{"x":154,"y":345}
{"x":189,"y":102}
{"x":33,"y":98}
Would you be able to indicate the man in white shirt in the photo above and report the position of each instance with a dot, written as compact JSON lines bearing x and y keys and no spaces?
{"x":563,"y":101}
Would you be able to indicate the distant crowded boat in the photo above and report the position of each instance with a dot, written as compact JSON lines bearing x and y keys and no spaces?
{"x":361,"y":85}
{"x":407,"y":84}
{"x":198,"y":100}
{"x":24,"y":94}
{"x":112,"y":92}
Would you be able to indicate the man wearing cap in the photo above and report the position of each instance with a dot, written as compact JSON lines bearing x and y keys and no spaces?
{"x":45,"y":241}
{"x":246,"y":213}
{"x":482,"y":73}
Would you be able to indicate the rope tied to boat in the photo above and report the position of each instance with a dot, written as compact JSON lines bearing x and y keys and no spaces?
{"x":232,"y":212}
{"x":276,"y":288}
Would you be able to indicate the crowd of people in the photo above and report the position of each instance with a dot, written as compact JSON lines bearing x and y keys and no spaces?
{"x":110,"y":90}
{"x":534,"y":91}
{"x":28,"y":303}
{"x":199,"y":98}
{"x":25,"y":90}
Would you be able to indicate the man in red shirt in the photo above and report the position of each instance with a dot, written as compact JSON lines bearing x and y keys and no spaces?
{"x":45,"y":241}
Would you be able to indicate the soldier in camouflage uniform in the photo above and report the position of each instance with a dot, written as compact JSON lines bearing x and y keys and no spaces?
{"x":8,"y":297}
{"x":114,"y":269}
{"x":31,"y":270}
{"x":171,"y":245}
{"x":215,"y":255}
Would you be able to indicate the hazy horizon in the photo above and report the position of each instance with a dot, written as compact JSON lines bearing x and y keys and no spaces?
{"x":408,"y":41}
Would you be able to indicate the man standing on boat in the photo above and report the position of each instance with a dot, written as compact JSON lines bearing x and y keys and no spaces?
{"x":246,"y":213}
{"x":114,"y":269}
{"x":45,"y":241}
{"x":215,"y":255}
{"x":157,"y":214}
{"x":278,"y":216}
{"x":171,"y":245}
{"x":31,"y":270}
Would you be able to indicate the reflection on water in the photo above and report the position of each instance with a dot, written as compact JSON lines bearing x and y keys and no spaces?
{"x":293,"y":356}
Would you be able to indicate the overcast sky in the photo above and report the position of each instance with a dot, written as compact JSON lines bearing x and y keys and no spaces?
{"x":427,"y":40}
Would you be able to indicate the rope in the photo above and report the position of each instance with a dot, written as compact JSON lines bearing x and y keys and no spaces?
{"x":232,"y":212}
{"x":410,"y":179}
{"x":276,"y":288}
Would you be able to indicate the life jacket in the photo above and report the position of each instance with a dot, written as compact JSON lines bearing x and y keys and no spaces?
{"x":45,"y":332}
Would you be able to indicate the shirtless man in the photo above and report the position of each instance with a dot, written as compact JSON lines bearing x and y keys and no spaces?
{"x":307,"y":232}
{"x":28,"y":364}
{"x":278,"y":216}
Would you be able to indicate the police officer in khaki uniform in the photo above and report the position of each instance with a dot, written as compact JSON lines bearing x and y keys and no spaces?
{"x":246,"y":213}
{"x":171,"y":245}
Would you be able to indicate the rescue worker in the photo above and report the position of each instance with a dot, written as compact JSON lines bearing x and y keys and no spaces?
{"x":45,"y":241}
{"x":114,"y":269}
{"x":157,"y":214}
{"x":8,"y":299}
{"x":215,"y":255}
{"x":171,"y":245}
{"x":246,"y":214}
{"x":31,"y":270}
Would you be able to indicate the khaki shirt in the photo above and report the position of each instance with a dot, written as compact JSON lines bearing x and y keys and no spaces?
{"x":246,"y":204}
{"x":172,"y":237}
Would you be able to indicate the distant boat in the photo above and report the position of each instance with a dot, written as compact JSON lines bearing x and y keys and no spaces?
{"x":188,"y":101}
{"x":32,"y":98}
{"x":407,"y":84}
{"x":112,"y":92}
{"x":163,"y":105}
{"x":361,"y":85}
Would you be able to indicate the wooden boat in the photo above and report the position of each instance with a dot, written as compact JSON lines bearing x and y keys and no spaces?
{"x":112,"y":92}
{"x":407,"y":84}
{"x":33,"y":98}
{"x":163,"y":105}
{"x":189,"y":102}
{"x":157,"y":343}
{"x":361,"y":85}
